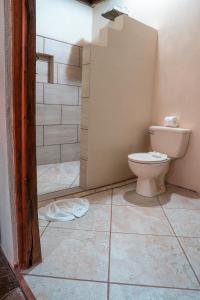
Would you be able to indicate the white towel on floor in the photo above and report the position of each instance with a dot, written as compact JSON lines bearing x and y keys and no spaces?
{"x":64,"y":210}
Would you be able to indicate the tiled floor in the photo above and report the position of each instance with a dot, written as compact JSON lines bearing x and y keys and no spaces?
{"x":55,"y":177}
{"x":9,"y":285}
{"x":127,"y":247}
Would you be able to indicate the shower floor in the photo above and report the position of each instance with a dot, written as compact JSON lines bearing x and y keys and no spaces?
{"x":55,"y":177}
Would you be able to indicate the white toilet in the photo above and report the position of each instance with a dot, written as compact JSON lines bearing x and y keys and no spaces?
{"x":151,"y":167}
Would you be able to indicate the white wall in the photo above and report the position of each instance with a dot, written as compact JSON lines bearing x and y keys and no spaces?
{"x":150,"y":12}
{"x":7,"y":216}
{"x":177,"y":88}
{"x":65,"y":20}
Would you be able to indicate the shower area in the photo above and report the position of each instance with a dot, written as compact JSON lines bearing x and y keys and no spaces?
{"x":58,"y":90}
{"x":73,"y":74}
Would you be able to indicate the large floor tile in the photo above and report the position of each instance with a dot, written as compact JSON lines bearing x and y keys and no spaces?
{"x":191,"y":247}
{"x":127,"y":195}
{"x":101,"y":197}
{"x":125,"y":292}
{"x":184,"y":199}
{"x":143,"y":220}
{"x":97,"y":218}
{"x":184,"y":222}
{"x":60,"y":289}
{"x":74,"y":254}
{"x":150,"y":260}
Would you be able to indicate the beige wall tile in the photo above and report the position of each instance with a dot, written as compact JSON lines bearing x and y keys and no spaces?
{"x":55,"y":73}
{"x":80,"y":95}
{"x":39,"y":135}
{"x":84,"y":144}
{"x":39,"y":44}
{"x":39,"y":93}
{"x":60,"y":134}
{"x":63,"y":52}
{"x":60,"y":94}
{"x":41,"y":71}
{"x":84,"y":113}
{"x":70,"y":152}
{"x":48,"y":114}
{"x":69,"y":75}
{"x":48,"y":154}
{"x":70,"y":114}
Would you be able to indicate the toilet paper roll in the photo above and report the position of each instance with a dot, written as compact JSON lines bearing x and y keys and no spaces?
{"x":171,"y":121}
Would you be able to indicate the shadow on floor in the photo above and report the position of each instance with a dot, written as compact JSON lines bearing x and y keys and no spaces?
{"x":133,"y":198}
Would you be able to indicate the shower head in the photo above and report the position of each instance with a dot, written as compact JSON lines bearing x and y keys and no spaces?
{"x":114,"y":13}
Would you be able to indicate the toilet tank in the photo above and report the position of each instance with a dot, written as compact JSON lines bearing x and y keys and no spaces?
{"x":171,"y":141}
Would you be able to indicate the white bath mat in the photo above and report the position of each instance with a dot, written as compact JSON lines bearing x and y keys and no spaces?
{"x":64,"y":210}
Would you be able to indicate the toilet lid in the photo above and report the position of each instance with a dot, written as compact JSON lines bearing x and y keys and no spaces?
{"x":148,"y":157}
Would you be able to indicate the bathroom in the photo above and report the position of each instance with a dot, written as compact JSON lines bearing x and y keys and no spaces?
{"x":100,"y":85}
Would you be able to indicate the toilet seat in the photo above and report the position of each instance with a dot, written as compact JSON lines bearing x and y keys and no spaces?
{"x":148,"y":157}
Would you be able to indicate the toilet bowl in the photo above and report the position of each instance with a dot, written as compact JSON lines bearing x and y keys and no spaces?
{"x":151,"y":167}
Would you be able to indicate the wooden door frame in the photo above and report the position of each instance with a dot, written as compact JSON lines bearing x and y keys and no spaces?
{"x":22,"y":16}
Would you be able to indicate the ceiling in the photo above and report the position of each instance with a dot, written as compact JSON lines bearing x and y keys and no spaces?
{"x":91,"y":2}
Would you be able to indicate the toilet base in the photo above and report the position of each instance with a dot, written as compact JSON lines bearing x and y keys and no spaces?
{"x":150,"y":187}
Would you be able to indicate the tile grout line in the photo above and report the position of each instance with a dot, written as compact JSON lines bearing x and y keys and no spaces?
{"x":109,"y":255}
{"x":78,"y":229}
{"x":44,"y":230}
{"x":59,"y":41}
{"x":181,"y":208}
{"x":111,"y":282}
{"x":126,"y":233}
{"x":180,"y":244}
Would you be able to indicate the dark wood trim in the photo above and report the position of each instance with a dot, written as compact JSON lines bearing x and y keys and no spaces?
{"x":23,"y":17}
{"x":22,"y":283}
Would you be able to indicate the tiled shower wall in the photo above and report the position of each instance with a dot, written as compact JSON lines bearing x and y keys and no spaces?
{"x":58,"y":103}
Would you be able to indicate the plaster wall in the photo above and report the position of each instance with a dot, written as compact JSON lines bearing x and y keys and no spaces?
{"x":177,"y":84}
